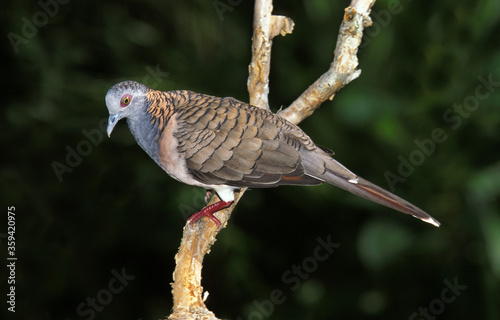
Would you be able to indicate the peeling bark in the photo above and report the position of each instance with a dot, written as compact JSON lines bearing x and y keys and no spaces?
{"x":342,"y":70}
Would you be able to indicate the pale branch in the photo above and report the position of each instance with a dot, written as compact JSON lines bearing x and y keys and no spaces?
{"x":258,"y":79}
{"x":189,"y":298}
{"x":266,"y":27}
{"x":363,"y":6}
{"x":342,"y":69}
{"x":188,"y":295}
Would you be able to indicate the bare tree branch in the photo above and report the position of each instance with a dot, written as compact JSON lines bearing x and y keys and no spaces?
{"x":189,"y":298}
{"x":343,"y":68}
{"x":266,"y":27}
{"x":187,"y":291}
{"x":363,"y":6}
{"x":258,"y":80}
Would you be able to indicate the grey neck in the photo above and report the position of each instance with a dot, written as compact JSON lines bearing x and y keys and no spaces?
{"x":146,"y":134}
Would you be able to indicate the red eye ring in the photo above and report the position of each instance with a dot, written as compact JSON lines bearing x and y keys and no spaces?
{"x":125,"y":100}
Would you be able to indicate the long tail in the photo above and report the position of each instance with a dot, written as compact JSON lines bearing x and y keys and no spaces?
{"x":338,"y":175}
{"x":372,"y":192}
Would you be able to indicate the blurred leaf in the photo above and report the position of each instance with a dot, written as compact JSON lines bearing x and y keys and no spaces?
{"x":311,"y":292}
{"x":380,"y":243}
{"x":485,"y":16}
{"x":484,"y":193}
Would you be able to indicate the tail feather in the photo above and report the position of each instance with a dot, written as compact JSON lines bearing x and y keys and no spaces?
{"x":372,"y":192}
{"x":336,"y":174}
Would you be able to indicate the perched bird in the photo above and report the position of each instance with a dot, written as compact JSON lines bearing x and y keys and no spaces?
{"x":222,"y":144}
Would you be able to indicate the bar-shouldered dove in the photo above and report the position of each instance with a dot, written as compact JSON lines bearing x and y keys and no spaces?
{"x":222,"y":144}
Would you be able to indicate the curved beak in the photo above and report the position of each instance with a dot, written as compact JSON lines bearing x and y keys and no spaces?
{"x":112,"y":121}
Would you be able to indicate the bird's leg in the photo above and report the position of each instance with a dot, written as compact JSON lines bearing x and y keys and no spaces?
{"x":208,"y":195}
{"x":209,"y":211}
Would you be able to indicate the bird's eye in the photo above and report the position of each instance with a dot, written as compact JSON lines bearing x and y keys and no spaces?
{"x":125,"y":100}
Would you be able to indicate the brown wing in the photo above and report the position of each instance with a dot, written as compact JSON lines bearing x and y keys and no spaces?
{"x":226,"y":141}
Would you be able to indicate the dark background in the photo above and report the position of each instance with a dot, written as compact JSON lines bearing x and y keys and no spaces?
{"x":110,"y":207}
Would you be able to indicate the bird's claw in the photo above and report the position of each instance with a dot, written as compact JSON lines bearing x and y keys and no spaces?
{"x":208,"y":195}
{"x":209,"y":211}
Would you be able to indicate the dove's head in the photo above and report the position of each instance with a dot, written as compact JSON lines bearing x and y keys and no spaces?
{"x":125,"y":100}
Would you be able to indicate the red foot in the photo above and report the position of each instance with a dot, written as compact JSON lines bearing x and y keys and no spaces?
{"x":209,"y":212}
